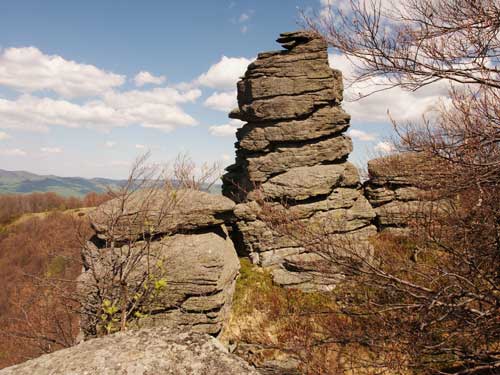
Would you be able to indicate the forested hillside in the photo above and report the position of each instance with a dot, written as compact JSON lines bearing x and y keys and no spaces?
{"x":26,"y":182}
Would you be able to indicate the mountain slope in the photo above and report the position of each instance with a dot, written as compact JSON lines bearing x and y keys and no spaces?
{"x":26,"y":182}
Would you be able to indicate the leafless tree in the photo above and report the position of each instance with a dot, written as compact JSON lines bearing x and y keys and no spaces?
{"x":124,"y":274}
{"x":440,"y":311}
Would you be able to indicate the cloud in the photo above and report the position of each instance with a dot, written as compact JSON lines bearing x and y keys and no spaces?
{"x":402,"y":105}
{"x":244,"y":17}
{"x":142,"y":78}
{"x":225,"y":73}
{"x":29,"y":70}
{"x":36,"y":74}
{"x":4,"y":136}
{"x":110,"y":144}
{"x":361,"y":135}
{"x":384,"y":147}
{"x":12,"y":152}
{"x":118,"y":163}
{"x":224,"y":101}
{"x":226,"y":130}
{"x":140,"y":147}
{"x":158,"y":108}
{"x":244,"y":29}
{"x":51,"y":150}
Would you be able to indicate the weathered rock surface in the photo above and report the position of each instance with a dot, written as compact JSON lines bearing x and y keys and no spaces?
{"x":180,"y":210}
{"x":293,"y":151}
{"x":392,"y":192}
{"x":199,"y":261}
{"x":144,"y":352}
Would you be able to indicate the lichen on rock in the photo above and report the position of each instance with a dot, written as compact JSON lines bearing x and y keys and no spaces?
{"x":143,"y":352}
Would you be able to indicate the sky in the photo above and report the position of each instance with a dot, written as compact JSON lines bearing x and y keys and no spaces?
{"x":87,"y":86}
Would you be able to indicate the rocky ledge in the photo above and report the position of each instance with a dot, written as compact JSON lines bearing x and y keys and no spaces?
{"x":393,"y":190}
{"x":144,"y":352}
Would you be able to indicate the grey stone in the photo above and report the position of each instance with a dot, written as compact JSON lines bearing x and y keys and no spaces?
{"x":392,"y":190}
{"x":283,"y":158}
{"x":200,"y":273}
{"x":397,"y":213}
{"x":292,"y":155}
{"x":323,"y":122}
{"x":164,"y":211}
{"x":143,"y":352}
{"x":306,"y":182}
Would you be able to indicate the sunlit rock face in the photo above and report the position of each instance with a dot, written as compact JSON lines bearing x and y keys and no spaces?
{"x":394,"y":189}
{"x":293,"y":152}
{"x":190,"y":239}
{"x":148,"y":351}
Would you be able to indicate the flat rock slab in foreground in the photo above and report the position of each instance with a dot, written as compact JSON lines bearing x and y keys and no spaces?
{"x":145,"y":352}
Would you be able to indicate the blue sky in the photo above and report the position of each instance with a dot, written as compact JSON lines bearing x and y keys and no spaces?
{"x":73,"y":100}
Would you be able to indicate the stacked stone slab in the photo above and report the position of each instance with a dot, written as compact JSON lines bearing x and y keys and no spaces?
{"x":200,"y":261}
{"x":293,"y":148}
{"x":392,"y":190}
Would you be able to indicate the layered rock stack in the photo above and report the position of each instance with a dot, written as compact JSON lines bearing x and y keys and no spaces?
{"x":199,"y":261}
{"x":392,"y":190}
{"x":294,"y":148}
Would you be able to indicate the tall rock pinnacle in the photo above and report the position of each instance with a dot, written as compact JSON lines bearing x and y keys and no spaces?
{"x":293,"y":148}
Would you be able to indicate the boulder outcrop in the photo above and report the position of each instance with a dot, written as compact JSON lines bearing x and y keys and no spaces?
{"x":148,"y":351}
{"x":393,"y":192}
{"x":293,"y":150}
{"x":191,"y":241}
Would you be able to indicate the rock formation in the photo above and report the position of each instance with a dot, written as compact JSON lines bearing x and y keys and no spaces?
{"x":294,"y":148}
{"x":392,"y":191}
{"x":148,"y":351}
{"x":200,"y":262}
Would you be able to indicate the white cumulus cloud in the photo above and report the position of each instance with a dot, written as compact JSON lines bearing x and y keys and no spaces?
{"x":142,"y":78}
{"x":158,"y":108}
{"x":51,"y":150}
{"x":361,"y":135}
{"x":384,"y":147}
{"x":222,"y":101}
{"x":110,"y":144}
{"x":225,"y":73}
{"x":103,"y":107}
{"x":140,"y":147}
{"x":12,"y":152}
{"x":4,"y":136}
{"x":402,"y":105}
{"x":226,"y":130}
{"x":28,"y":70}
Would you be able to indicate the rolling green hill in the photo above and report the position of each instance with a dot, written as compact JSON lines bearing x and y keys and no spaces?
{"x":18,"y":182}
{"x":22,"y":182}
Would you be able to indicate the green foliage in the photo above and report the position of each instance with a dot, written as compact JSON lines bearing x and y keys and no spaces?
{"x":255,"y":291}
{"x":109,"y":317}
{"x":141,"y":300}
{"x":160,"y":284}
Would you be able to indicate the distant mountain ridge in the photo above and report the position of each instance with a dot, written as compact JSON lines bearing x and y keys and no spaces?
{"x":21,"y":182}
